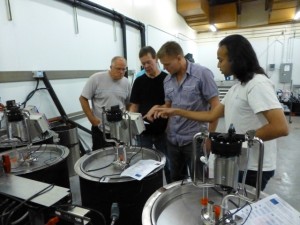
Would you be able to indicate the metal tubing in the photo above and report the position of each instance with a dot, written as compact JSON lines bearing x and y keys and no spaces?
{"x":260,"y":164}
{"x":27,"y":125}
{"x":201,"y":135}
{"x":8,"y":9}
{"x":75,"y":20}
{"x":103,"y":127}
{"x":90,"y":6}
{"x":129,"y":129}
{"x":224,"y":204}
{"x":108,"y":13}
{"x":128,"y":21}
{"x":143,"y":35}
{"x":123,"y":26}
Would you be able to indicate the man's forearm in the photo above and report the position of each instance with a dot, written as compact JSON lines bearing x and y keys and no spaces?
{"x":133,"y":107}
{"x":87,"y":111}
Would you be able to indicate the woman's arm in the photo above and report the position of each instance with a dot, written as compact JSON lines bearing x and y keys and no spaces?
{"x":205,"y":116}
{"x":277,"y":125}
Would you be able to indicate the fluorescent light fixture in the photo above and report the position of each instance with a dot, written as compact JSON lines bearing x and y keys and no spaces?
{"x":213,"y":28}
{"x":297,"y":15}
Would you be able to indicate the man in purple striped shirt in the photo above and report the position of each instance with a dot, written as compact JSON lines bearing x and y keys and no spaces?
{"x":189,"y":86}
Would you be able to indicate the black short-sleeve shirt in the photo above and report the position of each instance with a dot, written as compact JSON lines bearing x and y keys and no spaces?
{"x":147,"y":92}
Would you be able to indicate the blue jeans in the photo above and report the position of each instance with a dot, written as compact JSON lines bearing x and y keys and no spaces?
{"x":252,"y":175}
{"x":181,"y":158}
{"x":98,"y":140}
{"x":160,"y":144}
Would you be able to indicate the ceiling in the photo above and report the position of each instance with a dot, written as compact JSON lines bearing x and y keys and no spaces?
{"x":236,"y":14}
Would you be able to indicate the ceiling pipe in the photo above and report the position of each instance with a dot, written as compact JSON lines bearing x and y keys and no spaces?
{"x":113,"y":15}
{"x":297,"y":13}
{"x":123,"y":28}
{"x":8,"y":9}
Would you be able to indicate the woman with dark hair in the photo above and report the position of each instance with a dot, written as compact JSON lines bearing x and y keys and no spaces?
{"x":242,"y":57}
{"x":250,"y":104}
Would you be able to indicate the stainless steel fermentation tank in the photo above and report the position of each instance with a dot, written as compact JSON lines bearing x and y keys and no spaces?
{"x":180,"y":203}
{"x":101,"y":183}
{"x":21,"y":129}
{"x":203,"y":200}
{"x":45,"y":163}
{"x":99,"y":171}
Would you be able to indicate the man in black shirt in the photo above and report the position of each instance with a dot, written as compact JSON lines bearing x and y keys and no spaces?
{"x":147,"y":91}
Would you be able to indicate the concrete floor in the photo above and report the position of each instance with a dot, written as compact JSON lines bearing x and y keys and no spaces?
{"x":286,"y":181}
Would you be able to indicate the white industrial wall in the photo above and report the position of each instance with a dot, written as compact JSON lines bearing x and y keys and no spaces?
{"x":41,"y":36}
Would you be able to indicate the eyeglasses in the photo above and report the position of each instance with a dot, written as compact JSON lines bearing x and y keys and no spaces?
{"x":119,"y":69}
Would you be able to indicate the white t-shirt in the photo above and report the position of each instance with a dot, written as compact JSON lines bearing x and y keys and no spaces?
{"x":104,"y":91}
{"x":244,"y":104}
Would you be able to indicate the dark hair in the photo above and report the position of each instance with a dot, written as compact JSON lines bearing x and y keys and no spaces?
{"x":170,"y":48}
{"x":189,"y":57}
{"x":147,"y":49}
{"x":244,"y":62}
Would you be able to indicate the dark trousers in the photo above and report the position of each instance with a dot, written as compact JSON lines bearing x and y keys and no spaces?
{"x":181,"y":159}
{"x":252,"y":175}
{"x":98,"y":140}
{"x":160,"y":143}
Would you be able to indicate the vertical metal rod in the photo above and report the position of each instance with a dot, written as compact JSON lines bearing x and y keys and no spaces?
{"x":143,"y":35}
{"x":103,"y":130}
{"x":129,"y":129}
{"x":26,"y":118}
{"x":201,"y":135}
{"x":291,"y":103}
{"x":260,"y":165}
{"x":8,"y":9}
{"x":75,"y":20}
{"x":115,"y":31}
{"x":123,"y":26}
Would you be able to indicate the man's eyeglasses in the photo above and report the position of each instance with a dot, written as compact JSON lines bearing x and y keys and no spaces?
{"x":119,"y":69}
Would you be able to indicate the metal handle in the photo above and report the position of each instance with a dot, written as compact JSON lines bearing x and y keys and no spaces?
{"x":200,"y":135}
{"x":8,"y":9}
{"x":260,"y":165}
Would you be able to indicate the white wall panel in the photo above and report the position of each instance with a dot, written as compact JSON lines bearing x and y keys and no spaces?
{"x":41,"y":36}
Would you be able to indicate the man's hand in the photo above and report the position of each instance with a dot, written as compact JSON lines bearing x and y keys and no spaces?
{"x":95,"y":121}
{"x":164,"y":112}
{"x":151,"y":114}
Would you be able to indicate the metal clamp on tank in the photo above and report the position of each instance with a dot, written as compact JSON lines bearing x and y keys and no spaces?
{"x":114,"y":118}
{"x":121,"y":131}
{"x":18,"y":132}
{"x":17,"y":124}
{"x":23,"y":128}
{"x":227,"y":148}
